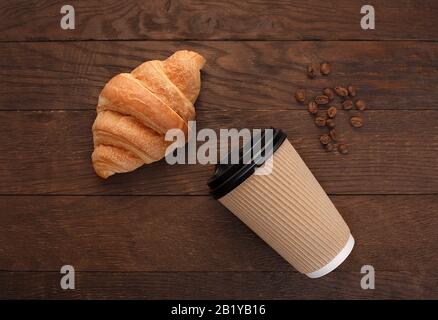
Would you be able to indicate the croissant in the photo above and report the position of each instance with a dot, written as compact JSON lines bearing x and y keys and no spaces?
{"x":135,"y":110}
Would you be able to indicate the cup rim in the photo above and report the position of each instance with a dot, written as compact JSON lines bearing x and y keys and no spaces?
{"x":229,"y":176}
{"x":335,"y":262}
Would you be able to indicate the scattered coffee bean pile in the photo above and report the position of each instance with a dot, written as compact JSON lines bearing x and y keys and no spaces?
{"x":323,"y":109}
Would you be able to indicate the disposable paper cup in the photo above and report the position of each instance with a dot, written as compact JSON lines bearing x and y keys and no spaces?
{"x":287,"y":208}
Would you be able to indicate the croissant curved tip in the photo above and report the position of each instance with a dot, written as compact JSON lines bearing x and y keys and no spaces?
{"x":189,"y":55}
{"x":104,"y":174}
{"x":108,"y":160}
{"x":101,"y":171}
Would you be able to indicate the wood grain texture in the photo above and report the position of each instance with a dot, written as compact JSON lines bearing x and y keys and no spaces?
{"x":49,"y":153}
{"x":238,"y":75}
{"x":217,"y":285}
{"x":187,"y":234}
{"x":214,"y":19}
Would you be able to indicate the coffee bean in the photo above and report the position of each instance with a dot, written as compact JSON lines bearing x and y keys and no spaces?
{"x":325,"y":139}
{"x":325,"y":68}
{"x":356,"y":121}
{"x":352,"y":91}
{"x":331,"y":112}
{"x":329,"y":147}
{"x":360,"y":105}
{"x":300,"y":95}
{"x":311,"y":73}
{"x":341,"y":91}
{"x":330,"y":123}
{"x":323,"y":99}
{"x":333,"y":135}
{"x":320,"y":121}
{"x":312,"y":107}
{"x":329,"y":93}
{"x":343,"y":148}
{"x":347,"y":104}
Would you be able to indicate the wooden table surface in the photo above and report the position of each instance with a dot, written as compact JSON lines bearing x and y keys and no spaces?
{"x":156,"y":233}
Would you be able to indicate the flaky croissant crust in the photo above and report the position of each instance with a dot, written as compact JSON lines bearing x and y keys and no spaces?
{"x":135,"y":110}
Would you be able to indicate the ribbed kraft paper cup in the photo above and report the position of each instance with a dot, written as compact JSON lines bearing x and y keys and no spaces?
{"x":291,"y":212}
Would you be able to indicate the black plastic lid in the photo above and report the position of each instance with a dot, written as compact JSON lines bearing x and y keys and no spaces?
{"x":228,"y":176}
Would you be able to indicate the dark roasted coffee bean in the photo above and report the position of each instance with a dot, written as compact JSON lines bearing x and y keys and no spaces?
{"x":330,"y":123}
{"x":324,"y":139}
{"x":300,"y":95}
{"x":347,"y":104}
{"x":312,"y":107}
{"x":360,"y":105}
{"x":356,"y":121}
{"x":333,"y":135}
{"x":352,"y":91}
{"x":341,"y":91}
{"x":325,"y":68}
{"x":329,"y":93}
{"x":323,"y":99}
{"x":343,"y":148}
{"x":320,"y":121}
{"x":331,"y":112}
{"x":329,"y":147}
{"x":311,"y":73}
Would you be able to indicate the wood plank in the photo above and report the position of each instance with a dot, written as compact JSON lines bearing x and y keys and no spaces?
{"x":214,"y":19}
{"x":238,"y":75}
{"x":49,"y":153}
{"x":221,"y":285}
{"x":169,"y":234}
